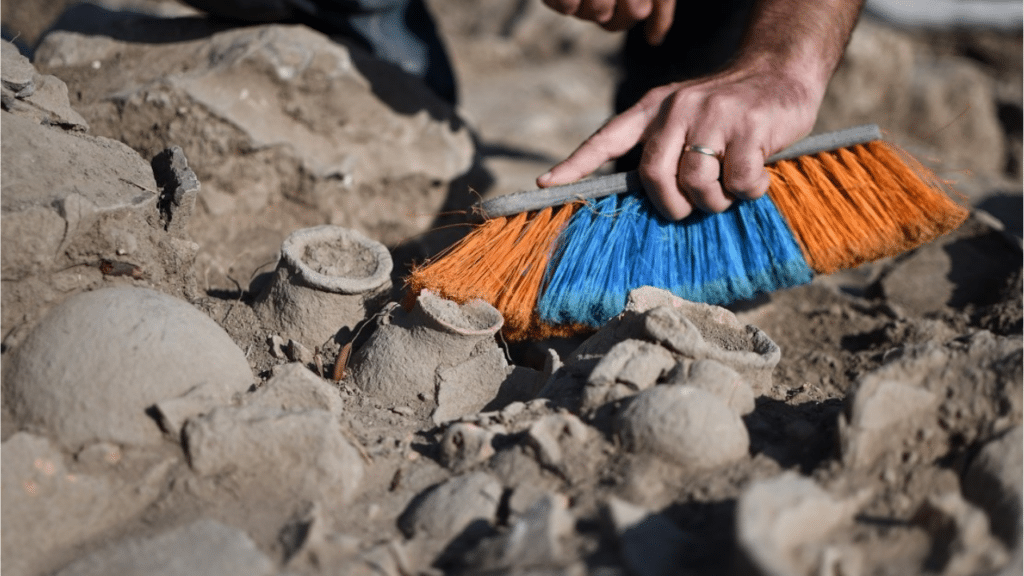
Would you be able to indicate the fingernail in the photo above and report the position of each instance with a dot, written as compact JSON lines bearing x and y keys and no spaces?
{"x":544,"y":178}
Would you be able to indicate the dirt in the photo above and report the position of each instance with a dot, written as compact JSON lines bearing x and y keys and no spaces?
{"x":944,"y":320}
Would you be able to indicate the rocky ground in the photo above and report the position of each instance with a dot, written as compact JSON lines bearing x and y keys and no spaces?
{"x":173,"y":403}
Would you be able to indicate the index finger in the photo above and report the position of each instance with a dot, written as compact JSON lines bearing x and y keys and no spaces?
{"x":612,"y":140}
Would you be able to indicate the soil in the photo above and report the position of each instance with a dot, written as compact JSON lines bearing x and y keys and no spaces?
{"x":532,"y":86}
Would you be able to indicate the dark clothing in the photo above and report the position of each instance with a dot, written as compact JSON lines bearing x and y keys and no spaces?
{"x":401,"y":32}
{"x":704,"y":37}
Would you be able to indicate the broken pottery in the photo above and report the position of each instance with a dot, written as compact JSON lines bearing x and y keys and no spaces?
{"x":328,"y":278}
{"x":689,"y":330}
{"x":440,"y":352}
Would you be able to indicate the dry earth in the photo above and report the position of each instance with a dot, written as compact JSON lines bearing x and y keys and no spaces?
{"x":868,"y":423}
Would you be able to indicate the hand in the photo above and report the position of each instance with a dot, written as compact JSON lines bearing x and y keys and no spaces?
{"x":615,"y":15}
{"x":743,"y":114}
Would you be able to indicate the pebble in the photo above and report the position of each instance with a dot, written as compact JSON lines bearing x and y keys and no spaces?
{"x":464,"y":503}
{"x":293,"y":388}
{"x":635,"y":363}
{"x":203,"y":548}
{"x":781,"y":519}
{"x":279,"y":455}
{"x":465,"y":445}
{"x":883,"y":413}
{"x":17,"y":72}
{"x":649,"y":544}
{"x":718,"y":379}
{"x":993,"y":481}
{"x":532,"y":544}
{"x":547,"y":435}
{"x":961,"y":542}
{"x":684,"y":425}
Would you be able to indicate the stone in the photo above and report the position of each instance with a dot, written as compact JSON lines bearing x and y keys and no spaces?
{"x":179,"y":188}
{"x":50,"y":505}
{"x":202,"y":548}
{"x":961,"y":541}
{"x":16,"y":71}
{"x":275,"y":454}
{"x":936,"y":275}
{"x":40,"y":98}
{"x":885,"y":79}
{"x":72,"y":379}
{"x":465,"y":445}
{"x":649,"y":544}
{"x":718,"y":379}
{"x":883,"y":414}
{"x":548,"y":434}
{"x":781,"y":523}
{"x":294,"y":388}
{"x":411,"y":353}
{"x":534,"y":542}
{"x":993,"y":482}
{"x":684,"y":425}
{"x":467,"y":503}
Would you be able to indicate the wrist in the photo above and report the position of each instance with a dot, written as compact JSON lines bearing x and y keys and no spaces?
{"x":804,"y":79}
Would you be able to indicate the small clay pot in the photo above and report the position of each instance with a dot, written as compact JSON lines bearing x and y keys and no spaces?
{"x":436,"y":350}
{"x":328,"y":278}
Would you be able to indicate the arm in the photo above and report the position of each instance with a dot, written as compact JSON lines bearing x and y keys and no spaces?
{"x":763,"y":101}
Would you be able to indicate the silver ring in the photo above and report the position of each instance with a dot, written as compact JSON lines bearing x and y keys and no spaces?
{"x":700,"y":149}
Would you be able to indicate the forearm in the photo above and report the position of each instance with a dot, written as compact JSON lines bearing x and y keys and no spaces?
{"x":799,"y":39}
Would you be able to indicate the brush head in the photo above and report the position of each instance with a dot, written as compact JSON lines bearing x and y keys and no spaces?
{"x":621,"y":243}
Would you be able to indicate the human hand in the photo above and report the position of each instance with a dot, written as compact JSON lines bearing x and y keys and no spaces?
{"x":615,"y":15}
{"x":742,"y":115}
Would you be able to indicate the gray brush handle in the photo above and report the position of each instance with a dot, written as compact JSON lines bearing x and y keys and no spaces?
{"x":530,"y":200}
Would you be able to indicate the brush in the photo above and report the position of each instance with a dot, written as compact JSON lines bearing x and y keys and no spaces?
{"x":561,"y":261}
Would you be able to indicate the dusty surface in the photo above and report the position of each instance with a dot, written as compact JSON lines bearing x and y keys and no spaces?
{"x":887,"y":439}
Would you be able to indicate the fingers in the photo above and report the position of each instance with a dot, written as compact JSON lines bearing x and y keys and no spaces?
{"x":563,"y":6}
{"x":659,"y":21}
{"x":743,"y":172}
{"x":599,"y":11}
{"x":628,"y":13}
{"x":699,"y":173}
{"x":659,"y":168}
{"x":614,"y":139}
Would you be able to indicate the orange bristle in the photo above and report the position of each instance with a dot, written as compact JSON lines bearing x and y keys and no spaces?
{"x":860,"y":204}
{"x":501,"y":262}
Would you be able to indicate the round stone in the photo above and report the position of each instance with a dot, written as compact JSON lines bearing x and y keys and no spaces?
{"x":96,"y":363}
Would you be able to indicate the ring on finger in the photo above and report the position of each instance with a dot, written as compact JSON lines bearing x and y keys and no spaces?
{"x":701,"y":149}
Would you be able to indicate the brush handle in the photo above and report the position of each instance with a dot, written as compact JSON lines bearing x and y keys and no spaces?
{"x":530,"y":200}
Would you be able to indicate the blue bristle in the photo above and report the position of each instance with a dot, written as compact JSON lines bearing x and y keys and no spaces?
{"x":620,"y":243}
